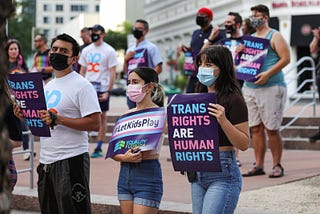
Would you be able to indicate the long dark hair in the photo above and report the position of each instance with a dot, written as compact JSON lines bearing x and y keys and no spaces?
{"x":20,"y":59}
{"x":150,"y":75}
{"x":226,"y":82}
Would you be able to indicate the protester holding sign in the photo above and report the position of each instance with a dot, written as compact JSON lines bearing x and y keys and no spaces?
{"x":205,"y":34}
{"x":218,"y":192}
{"x":266,"y":96}
{"x":17,"y":65}
{"x":140,"y":185}
{"x":73,"y":109}
{"x":143,"y":54}
{"x":13,"y":126}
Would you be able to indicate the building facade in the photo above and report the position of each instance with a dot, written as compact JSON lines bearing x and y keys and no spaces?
{"x":173,"y":21}
{"x":53,"y":14}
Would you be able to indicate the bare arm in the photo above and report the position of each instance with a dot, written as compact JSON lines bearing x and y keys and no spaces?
{"x":83,"y":71}
{"x":129,"y":156}
{"x":279,"y":44}
{"x":314,"y":48}
{"x":15,"y":143}
{"x":158,"y":68}
{"x":237,"y":134}
{"x":214,"y":33}
{"x":88,"y":123}
{"x":112,"y":77}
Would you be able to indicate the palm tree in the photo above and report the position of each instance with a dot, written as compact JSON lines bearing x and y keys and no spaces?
{"x":6,"y":10}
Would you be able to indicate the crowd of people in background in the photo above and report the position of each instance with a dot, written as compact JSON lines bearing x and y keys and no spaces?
{"x":86,"y":75}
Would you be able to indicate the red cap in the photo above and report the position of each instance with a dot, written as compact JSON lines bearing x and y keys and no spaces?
{"x":206,"y":11}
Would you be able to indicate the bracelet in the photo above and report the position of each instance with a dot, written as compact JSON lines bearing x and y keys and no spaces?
{"x":211,"y":41}
{"x":53,"y":118}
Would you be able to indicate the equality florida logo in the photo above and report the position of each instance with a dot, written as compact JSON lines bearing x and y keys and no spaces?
{"x":129,"y":144}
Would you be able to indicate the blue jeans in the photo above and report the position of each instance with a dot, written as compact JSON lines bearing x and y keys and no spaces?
{"x":217,"y":192}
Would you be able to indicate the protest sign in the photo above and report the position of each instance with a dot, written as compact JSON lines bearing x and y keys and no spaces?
{"x":189,"y":67}
{"x":193,"y":133}
{"x":140,"y":59}
{"x":140,"y":129}
{"x":252,"y":57}
{"x":27,"y":89}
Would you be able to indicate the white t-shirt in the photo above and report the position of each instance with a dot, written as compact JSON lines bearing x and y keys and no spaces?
{"x":98,"y":60}
{"x":74,"y":97}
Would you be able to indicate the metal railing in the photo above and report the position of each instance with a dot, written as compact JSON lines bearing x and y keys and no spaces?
{"x":31,"y":151}
{"x":296,"y":97}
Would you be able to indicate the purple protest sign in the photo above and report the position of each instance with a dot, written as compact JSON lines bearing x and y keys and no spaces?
{"x":27,"y":89}
{"x":231,"y":44}
{"x":252,"y":57}
{"x":140,"y":129}
{"x":193,"y":133}
{"x":188,"y":67}
{"x":140,"y":59}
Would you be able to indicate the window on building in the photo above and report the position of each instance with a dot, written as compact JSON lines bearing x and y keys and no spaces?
{"x":46,"y":20}
{"x":80,"y":7}
{"x":46,"y":7}
{"x":59,"y":7}
{"x":97,"y":8}
{"x":59,"y":20}
{"x":46,"y":32}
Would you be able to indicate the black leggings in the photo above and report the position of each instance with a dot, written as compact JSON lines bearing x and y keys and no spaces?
{"x":63,"y":186}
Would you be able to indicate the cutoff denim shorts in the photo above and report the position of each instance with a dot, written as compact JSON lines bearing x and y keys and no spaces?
{"x":141,"y":183}
{"x":217,"y":192}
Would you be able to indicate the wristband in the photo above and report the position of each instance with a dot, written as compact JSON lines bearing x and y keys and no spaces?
{"x":53,"y":118}
{"x":211,"y":41}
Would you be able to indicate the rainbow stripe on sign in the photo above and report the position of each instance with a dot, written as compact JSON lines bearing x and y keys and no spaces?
{"x":140,"y":129}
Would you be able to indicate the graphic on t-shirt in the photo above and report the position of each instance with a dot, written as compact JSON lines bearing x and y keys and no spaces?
{"x":140,"y":59}
{"x":94,"y":61}
{"x":42,"y":61}
{"x":53,"y":98}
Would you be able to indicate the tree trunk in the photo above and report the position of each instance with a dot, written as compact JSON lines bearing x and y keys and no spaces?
{"x":6,"y":10}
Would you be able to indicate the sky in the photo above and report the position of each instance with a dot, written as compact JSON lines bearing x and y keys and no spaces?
{"x":112,"y":13}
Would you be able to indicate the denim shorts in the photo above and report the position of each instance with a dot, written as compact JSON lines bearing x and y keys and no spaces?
{"x":141,"y":183}
{"x":217,"y":192}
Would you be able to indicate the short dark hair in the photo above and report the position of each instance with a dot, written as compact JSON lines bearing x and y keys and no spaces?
{"x":65,"y":37}
{"x":237,"y":17}
{"x":43,"y":37}
{"x":262,"y":9}
{"x":144,"y":22}
{"x":85,"y":29}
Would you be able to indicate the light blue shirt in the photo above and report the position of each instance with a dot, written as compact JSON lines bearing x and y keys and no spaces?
{"x":154,"y":56}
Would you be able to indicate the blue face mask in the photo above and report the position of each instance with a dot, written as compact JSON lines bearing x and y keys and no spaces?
{"x":205,"y":76}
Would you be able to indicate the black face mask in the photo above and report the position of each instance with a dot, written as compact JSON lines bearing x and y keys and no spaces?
{"x":137,"y":33}
{"x":58,"y":61}
{"x":230,"y":28}
{"x":202,"y":21}
{"x":95,"y":37}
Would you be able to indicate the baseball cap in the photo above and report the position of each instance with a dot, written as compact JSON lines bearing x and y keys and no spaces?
{"x":206,"y":11}
{"x":97,"y":28}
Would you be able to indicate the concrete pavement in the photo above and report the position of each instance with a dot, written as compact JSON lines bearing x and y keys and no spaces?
{"x":299,"y":165}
